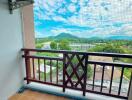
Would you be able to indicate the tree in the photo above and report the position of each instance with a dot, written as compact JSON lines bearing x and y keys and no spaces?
{"x":110,"y":48}
{"x":39,"y":45}
{"x":64,"y":45}
{"x":53,"y":45}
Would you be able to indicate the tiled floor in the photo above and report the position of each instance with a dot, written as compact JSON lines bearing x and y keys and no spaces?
{"x":33,"y":95}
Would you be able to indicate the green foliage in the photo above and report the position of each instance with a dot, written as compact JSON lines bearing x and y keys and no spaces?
{"x":39,"y":45}
{"x":42,"y":40}
{"x":64,"y":45}
{"x":47,"y":54}
{"x":127,"y":60}
{"x":110,"y":48}
{"x":115,"y":47}
{"x":53,"y":45}
{"x":89,"y":72}
{"x":127,"y":72}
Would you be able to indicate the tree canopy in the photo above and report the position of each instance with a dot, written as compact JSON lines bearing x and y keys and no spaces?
{"x":64,"y":45}
{"x":110,"y":48}
{"x":53,"y":45}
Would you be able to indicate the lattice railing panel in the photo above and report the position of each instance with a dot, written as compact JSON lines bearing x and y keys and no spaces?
{"x":75,"y":70}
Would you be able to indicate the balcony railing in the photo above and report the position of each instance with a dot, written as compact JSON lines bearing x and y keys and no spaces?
{"x":76,"y":70}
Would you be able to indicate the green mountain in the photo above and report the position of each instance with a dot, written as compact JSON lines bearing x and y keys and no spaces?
{"x":72,"y":38}
{"x":120,"y":38}
{"x":65,"y":36}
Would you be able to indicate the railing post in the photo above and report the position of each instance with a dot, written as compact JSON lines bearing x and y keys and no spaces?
{"x":130,"y":89}
{"x":27,"y":65}
{"x":85,"y":74}
{"x":64,"y":70}
{"x":130,"y":93}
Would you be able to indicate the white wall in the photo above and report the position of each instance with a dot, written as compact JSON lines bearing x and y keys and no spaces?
{"x":11,"y":63}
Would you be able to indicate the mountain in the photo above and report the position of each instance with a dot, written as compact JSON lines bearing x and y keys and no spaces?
{"x":61,"y":36}
{"x":95,"y":38}
{"x":119,"y":38}
{"x":65,"y":36}
{"x":70,"y":36}
{"x":74,"y":38}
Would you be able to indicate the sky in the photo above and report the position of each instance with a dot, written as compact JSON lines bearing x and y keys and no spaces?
{"x":83,"y":18}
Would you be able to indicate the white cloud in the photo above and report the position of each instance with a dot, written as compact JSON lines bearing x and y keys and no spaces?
{"x":38,"y":34}
{"x":59,"y":18}
{"x":93,"y":13}
{"x":62,"y":10}
{"x":129,"y":33}
{"x":37,"y":23}
{"x":116,"y":9}
{"x":72,"y":8}
{"x":74,"y":1}
{"x":56,"y":31}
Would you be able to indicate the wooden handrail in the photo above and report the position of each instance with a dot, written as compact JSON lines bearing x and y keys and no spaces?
{"x":74,"y":52}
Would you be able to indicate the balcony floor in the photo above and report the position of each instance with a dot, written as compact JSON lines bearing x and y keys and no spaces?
{"x":57,"y":92}
{"x":33,"y":95}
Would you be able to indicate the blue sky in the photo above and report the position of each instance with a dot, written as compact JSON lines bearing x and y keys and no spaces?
{"x":83,"y":18}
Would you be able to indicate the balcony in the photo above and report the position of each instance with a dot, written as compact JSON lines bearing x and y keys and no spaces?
{"x":79,"y":71}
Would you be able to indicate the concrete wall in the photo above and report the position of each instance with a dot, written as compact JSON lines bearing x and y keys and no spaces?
{"x":28,"y":27}
{"x":11,"y":42}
